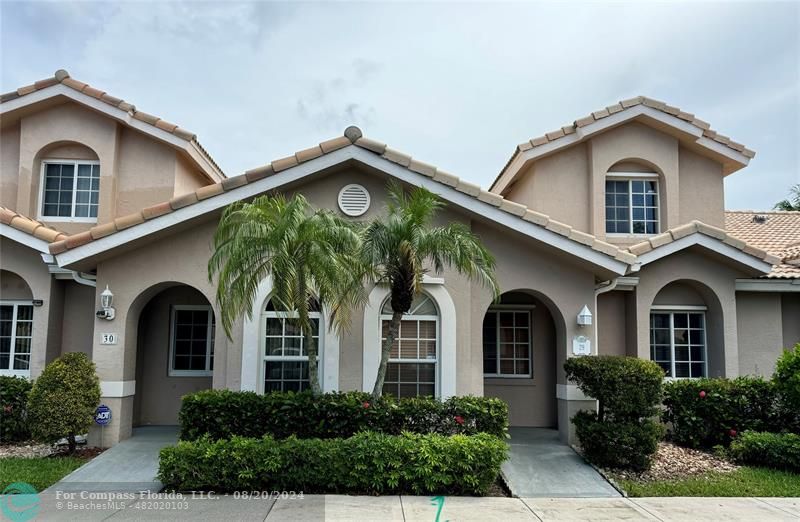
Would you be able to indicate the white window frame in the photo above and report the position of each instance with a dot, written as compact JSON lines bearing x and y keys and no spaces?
{"x":11,"y":371}
{"x":271,"y":314}
{"x":72,"y":218}
{"x":209,"y":371}
{"x":672,"y":310}
{"x":411,"y":317}
{"x":629,"y":177}
{"x":512,"y":308}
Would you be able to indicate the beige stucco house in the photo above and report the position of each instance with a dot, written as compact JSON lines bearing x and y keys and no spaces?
{"x":610,"y":236}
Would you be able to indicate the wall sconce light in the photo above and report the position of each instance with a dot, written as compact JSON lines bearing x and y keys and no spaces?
{"x":585,"y":316}
{"x":107,"y":312}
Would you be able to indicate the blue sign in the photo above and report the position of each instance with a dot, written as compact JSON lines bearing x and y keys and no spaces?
{"x":102,"y":415}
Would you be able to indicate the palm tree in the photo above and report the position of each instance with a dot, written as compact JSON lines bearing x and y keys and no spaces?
{"x":790,"y":204}
{"x":309,"y":255}
{"x":397,"y":249}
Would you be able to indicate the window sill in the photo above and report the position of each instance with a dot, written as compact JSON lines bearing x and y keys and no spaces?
{"x":25,"y":374}
{"x":190,"y":373}
{"x":509,"y":381}
{"x":64,"y":219}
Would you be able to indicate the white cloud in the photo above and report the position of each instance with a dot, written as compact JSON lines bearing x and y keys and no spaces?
{"x":457,"y":85}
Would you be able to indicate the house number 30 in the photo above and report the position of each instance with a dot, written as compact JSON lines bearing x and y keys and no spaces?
{"x":108,"y":338}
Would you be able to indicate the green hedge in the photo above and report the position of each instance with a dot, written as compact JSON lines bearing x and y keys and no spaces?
{"x":622,"y":434}
{"x":367,"y":463}
{"x":703,"y":413}
{"x":787,"y":385}
{"x":221,"y":414}
{"x":14,"y":393}
{"x":774,"y":450}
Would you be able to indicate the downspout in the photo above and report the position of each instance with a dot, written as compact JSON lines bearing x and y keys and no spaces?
{"x":602,"y":288}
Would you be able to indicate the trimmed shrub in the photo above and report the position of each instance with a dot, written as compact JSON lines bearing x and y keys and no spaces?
{"x":775,"y":450}
{"x":367,"y":463}
{"x":703,"y":413}
{"x":618,"y":444}
{"x":63,"y":399}
{"x":787,"y":385}
{"x":14,"y":393}
{"x":622,"y":434}
{"x":221,"y":414}
{"x":625,"y":387}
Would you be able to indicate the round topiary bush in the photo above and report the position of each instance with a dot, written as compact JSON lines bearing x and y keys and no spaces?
{"x":63,"y":399}
{"x":623,"y":432}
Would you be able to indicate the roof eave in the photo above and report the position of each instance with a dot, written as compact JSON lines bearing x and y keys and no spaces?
{"x":189,"y":146}
{"x":78,"y":256}
{"x":733,"y":159}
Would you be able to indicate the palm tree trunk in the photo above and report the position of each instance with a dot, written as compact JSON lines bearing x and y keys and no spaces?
{"x":313,"y":370}
{"x":394,"y":328}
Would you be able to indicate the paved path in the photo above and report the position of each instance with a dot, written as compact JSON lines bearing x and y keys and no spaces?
{"x":131,"y":465}
{"x":313,"y":508}
{"x":540,"y":465}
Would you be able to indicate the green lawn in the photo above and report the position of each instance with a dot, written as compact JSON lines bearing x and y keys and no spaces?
{"x":745,"y":482}
{"x":39,"y":472}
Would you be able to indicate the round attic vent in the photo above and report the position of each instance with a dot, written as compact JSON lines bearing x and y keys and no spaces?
{"x":354,"y":200}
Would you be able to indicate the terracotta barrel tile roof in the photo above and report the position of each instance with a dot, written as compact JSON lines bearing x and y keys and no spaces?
{"x":30,"y":226}
{"x":61,"y":76}
{"x":353,"y":136}
{"x":566,"y":130}
{"x":776,"y":232}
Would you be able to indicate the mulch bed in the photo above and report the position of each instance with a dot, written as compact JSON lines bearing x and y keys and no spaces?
{"x":675,"y":462}
{"x":32,"y":449}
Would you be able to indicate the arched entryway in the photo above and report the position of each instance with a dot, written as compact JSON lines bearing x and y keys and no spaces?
{"x":521,"y":333}
{"x":687,"y":330}
{"x":175,"y":335}
{"x":16,"y":325}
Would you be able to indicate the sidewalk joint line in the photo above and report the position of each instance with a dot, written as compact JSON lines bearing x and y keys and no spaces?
{"x":530,"y":509}
{"x":779,"y":508}
{"x":633,"y":501}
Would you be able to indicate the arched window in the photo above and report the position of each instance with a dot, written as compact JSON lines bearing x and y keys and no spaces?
{"x":414,"y":357}
{"x":632,"y":199}
{"x":285,"y":353}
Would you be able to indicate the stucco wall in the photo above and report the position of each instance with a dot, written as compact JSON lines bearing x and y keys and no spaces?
{"x":611,"y":323}
{"x":701,"y":189}
{"x":78,"y":317}
{"x":558,"y":186}
{"x":136,"y":170}
{"x":790,"y":305}
{"x":26,"y":264}
{"x":159,"y":395}
{"x":13,"y":287}
{"x":146,"y":172}
{"x":9,"y":165}
{"x":569,"y":185}
{"x":760,"y":331}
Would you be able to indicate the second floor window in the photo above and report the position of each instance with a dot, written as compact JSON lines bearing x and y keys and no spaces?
{"x":71,"y":189}
{"x":631,"y":206}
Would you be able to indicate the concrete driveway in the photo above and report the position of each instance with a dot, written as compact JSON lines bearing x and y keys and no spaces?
{"x":130,"y":466}
{"x":541,"y":466}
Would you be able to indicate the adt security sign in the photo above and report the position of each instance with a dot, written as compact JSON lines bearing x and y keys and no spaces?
{"x":102,"y":415}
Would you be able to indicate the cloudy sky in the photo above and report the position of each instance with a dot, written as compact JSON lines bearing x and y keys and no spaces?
{"x":456,"y":85}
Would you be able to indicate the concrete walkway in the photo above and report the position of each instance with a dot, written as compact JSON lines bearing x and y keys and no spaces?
{"x":540,"y":465}
{"x":312,"y":508}
{"x":131,"y":465}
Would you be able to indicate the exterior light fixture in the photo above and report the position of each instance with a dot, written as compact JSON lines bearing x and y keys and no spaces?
{"x":107,"y":312}
{"x":585,"y":316}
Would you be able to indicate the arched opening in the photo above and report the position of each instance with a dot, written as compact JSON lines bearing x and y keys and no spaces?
{"x":413,"y":369}
{"x":687,"y":331}
{"x":174,"y":333}
{"x":68,"y":185}
{"x":521,"y":333}
{"x":285,"y":354}
{"x":633,"y":198}
{"x":16,"y":325}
